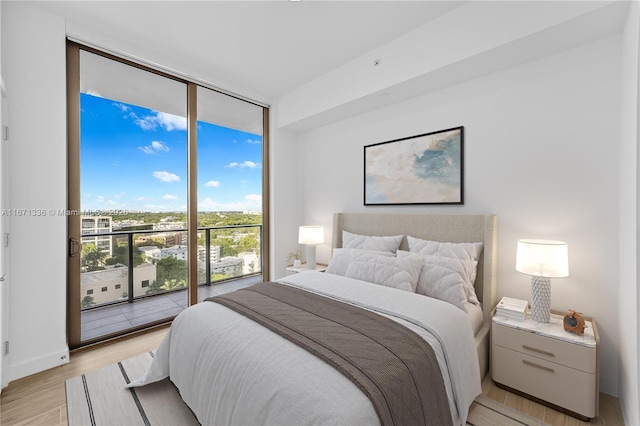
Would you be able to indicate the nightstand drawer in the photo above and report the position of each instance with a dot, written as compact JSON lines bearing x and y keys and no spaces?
{"x":545,"y":348}
{"x":572,"y":389}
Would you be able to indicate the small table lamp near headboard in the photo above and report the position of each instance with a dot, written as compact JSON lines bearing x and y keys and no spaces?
{"x":311,"y":235}
{"x":543,"y":260}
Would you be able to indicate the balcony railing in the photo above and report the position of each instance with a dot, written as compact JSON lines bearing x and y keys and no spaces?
{"x":129,"y":262}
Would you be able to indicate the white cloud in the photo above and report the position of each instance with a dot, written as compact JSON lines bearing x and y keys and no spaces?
{"x":165,"y":176}
{"x":208,"y":204}
{"x":253,"y":142}
{"x":249,"y":164}
{"x":169,"y":197}
{"x":253,"y":197}
{"x":147,"y":150}
{"x":162,"y":119}
{"x":121,"y":107}
{"x":171,"y":122}
{"x":212,"y":184}
{"x":154,"y":148}
{"x":145,"y":123}
{"x":159,"y":146}
{"x":250,"y":202}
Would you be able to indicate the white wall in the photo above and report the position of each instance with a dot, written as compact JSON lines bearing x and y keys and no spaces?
{"x":628,"y":296}
{"x":33,"y":54}
{"x":3,"y":223}
{"x":284,"y":182}
{"x":541,"y":152}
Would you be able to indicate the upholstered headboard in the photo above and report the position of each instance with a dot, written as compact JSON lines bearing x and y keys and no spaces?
{"x":443,"y":228}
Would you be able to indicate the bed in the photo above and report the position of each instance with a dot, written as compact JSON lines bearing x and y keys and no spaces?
{"x":445,"y":228}
{"x":230,"y":369}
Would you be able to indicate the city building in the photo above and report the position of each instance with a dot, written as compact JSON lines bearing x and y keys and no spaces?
{"x":112,"y":283}
{"x":97,"y":225}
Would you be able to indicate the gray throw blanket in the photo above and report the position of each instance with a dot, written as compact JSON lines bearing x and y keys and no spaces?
{"x":391,"y":364}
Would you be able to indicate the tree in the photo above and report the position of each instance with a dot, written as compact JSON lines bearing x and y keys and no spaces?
{"x":92,"y":258}
{"x":248,"y":243}
{"x":87,"y":302}
{"x":155,"y":287}
{"x":173,"y":284}
{"x":171,"y":268}
{"x":121,"y":255}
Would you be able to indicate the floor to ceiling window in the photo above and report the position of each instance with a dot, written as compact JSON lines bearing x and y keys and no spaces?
{"x":166,"y":194}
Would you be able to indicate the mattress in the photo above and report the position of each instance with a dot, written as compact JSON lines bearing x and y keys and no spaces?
{"x":231,"y":370}
{"x":475,"y":316}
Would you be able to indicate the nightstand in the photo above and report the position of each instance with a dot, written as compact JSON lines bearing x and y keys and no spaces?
{"x":543,"y":362}
{"x":303,"y":268}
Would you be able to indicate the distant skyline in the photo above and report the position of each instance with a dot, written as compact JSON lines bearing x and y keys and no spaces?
{"x":135,"y":158}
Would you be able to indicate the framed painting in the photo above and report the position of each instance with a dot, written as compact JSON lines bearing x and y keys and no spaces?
{"x":421,"y":169}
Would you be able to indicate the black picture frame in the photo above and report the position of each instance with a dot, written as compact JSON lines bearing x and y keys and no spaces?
{"x":421,"y":169}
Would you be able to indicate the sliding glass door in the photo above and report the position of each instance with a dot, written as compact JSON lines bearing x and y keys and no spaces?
{"x":230,"y":172}
{"x":165,"y":194}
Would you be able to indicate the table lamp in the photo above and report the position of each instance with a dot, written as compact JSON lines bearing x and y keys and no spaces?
{"x":543,"y":260}
{"x":310,"y":236}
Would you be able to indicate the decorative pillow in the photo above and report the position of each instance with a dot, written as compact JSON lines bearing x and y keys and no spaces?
{"x":342,"y":258}
{"x":402,"y":274}
{"x":441,"y":278}
{"x":462,"y":251}
{"x":366,"y":242}
{"x":465,"y":251}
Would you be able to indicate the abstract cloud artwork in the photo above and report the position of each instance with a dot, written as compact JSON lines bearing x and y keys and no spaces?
{"x":421,"y":169}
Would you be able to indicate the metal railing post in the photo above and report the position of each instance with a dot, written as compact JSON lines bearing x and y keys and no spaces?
{"x":130,"y":268}
{"x":207,"y":262}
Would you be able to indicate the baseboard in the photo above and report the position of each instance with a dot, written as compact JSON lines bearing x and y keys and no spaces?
{"x":36,"y":365}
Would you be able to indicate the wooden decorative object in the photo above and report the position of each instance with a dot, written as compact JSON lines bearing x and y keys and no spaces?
{"x":573,"y":322}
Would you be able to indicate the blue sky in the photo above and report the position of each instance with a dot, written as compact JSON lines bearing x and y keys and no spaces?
{"x":135,"y":158}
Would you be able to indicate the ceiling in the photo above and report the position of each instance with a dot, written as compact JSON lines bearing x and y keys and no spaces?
{"x":268,"y":47}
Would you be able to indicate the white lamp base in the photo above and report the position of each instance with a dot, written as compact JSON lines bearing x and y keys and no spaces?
{"x":540,"y":298}
{"x":311,"y":256}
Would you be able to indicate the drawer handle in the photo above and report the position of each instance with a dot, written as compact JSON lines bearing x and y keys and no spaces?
{"x":540,"y":351}
{"x":541,"y":367}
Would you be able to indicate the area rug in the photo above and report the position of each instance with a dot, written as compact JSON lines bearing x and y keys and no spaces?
{"x":99,"y":398}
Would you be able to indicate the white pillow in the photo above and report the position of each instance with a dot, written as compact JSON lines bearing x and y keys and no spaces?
{"x":462,"y":251}
{"x":465,"y":251}
{"x":366,"y":242}
{"x":402,"y":274}
{"x":342,"y":258}
{"x":441,"y":278}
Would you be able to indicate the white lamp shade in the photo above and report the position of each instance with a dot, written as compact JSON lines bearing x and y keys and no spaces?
{"x":542,"y":258}
{"x":311,"y":235}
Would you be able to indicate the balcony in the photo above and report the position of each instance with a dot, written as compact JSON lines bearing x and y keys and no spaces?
{"x":117,"y":318}
{"x":138,"y":280}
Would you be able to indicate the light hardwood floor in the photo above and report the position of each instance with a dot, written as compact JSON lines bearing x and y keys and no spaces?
{"x":40,"y":399}
{"x":610,"y":411}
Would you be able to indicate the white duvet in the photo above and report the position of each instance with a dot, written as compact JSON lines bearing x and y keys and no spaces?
{"x":231,"y":370}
